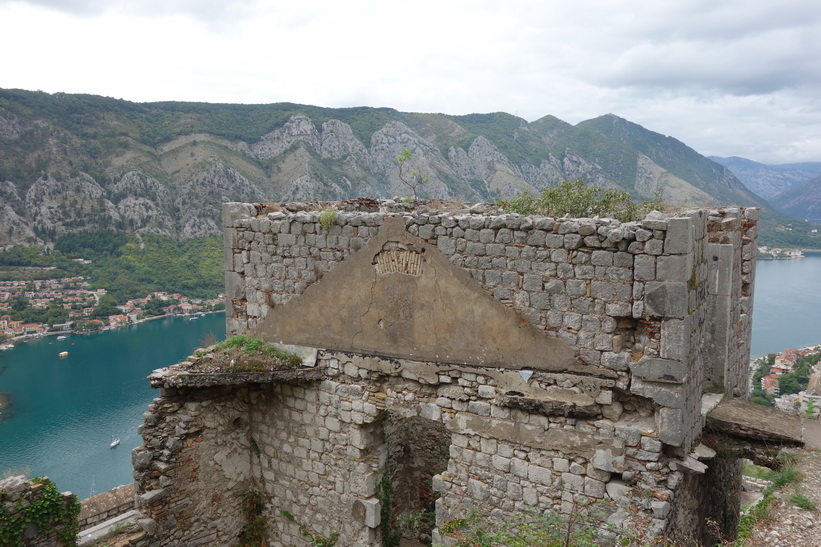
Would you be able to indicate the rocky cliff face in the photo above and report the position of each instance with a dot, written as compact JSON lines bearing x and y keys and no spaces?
{"x":165,"y":168}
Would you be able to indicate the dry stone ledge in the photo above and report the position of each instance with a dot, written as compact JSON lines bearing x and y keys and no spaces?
{"x":179,"y":376}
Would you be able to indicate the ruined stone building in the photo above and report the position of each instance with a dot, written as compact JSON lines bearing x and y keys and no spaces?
{"x":478,"y":360}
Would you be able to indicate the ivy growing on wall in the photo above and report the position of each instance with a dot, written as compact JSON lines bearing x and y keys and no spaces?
{"x":254,"y":505}
{"x":51,"y":513}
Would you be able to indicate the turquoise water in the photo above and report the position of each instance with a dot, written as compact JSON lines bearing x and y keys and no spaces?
{"x":65,"y":411}
{"x":787,"y":306}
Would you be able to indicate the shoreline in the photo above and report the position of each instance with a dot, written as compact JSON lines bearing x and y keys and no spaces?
{"x":6,"y":400}
{"x":24,"y":337}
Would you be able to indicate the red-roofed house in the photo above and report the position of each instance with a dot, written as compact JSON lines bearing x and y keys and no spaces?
{"x":770,"y":384}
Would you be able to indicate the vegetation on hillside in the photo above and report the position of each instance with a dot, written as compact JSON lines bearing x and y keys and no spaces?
{"x":777,"y":230}
{"x":126,"y":265}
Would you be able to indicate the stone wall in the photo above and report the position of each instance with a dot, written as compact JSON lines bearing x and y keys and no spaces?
{"x":664,"y":305}
{"x":17,"y":495}
{"x":554,"y":362}
{"x":106,"y":505}
{"x":194,"y":464}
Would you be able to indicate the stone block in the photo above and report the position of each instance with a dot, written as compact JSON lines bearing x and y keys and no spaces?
{"x":660,"y":508}
{"x":675,"y":338}
{"x":606,"y":460}
{"x":619,"y":491}
{"x":141,"y":459}
{"x":362,"y":484}
{"x":601,"y":258}
{"x":530,"y":496}
{"x":573,"y":483}
{"x":519,"y":467}
{"x":540,"y":475}
{"x":604,"y":398}
{"x":644,"y":268}
{"x":439,"y":485}
{"x":720,"y":274}
{"x":615,"y":360}
{"x":426,"y":231}
{"x":368,"y":512}
{"x":674,"y":268}
{"x":669,"y":395}
{"x":501,"y":463}
{"x":532,"y":282}
{"x":537,"y":238}
{"x":479,"y":407}
{"x":654,"y":369}
{"x":477,"y":489}
{"x":153,"y":496}
{"x":654,"y":247}
{"x":594,"y":488}
{"x":650,"y":444}
{"x":619,"y":309}
{"x":486,"y":391}
{"x":233,"y":211}
{"x":612,"y":411}
{"x":665,"y":299}
{"x":672,"y":429}
{"x":572,"y":241}
{"x":679,"y":238}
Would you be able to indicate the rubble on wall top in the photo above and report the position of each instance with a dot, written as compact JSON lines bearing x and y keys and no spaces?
{"x":276,"y":210}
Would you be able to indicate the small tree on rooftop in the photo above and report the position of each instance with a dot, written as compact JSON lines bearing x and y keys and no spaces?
{"x":411,"y":179}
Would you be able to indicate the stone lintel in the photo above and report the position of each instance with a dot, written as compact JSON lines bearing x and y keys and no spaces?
{"x":571,"y":443}
{"x":745,"y":420}
{"x":555,"y":403}
{"x":176,"y":376}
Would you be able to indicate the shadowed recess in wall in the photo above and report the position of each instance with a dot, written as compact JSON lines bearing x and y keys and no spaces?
{"x":400,"y":297}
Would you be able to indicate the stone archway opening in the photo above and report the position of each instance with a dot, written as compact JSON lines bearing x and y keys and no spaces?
{"x":416,"y":449}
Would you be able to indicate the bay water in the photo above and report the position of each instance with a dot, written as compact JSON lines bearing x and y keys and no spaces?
{"x":787,"y":305}
{"x":66,"y":410}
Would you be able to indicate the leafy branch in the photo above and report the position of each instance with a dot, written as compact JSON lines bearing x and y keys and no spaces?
{"x":411,"y":179}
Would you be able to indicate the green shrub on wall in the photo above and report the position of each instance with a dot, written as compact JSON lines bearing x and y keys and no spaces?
{"x":51,"y":513}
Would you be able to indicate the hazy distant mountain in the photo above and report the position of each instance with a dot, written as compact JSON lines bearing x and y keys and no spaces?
{"x":770,"y":180}
{"x":801,"y":202}
{"x":80,"y":162}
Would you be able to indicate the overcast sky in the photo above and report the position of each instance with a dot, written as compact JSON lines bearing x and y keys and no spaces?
{"x":726,"y":77}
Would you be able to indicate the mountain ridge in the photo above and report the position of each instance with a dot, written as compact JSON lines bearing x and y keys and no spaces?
{"x":82,"y":162}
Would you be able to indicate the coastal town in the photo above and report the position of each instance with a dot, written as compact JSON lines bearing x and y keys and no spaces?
{"x":77,"y":308}
{"x":777,"y":253}
{"x":789,"y":380}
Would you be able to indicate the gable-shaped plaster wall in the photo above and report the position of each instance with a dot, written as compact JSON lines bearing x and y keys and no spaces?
{"x":567,"y":359}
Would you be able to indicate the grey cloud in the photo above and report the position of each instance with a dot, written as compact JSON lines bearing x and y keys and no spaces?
{"x":764,"y":63}
{"x":215,"y":11}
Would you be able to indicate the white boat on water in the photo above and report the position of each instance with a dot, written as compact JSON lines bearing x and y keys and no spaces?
{"x":4,"y":347}
{"x":62,"y":337}
{"x":114,"y":441}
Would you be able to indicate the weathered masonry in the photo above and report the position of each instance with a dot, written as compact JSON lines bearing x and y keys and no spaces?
{"x":465,"y":358}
